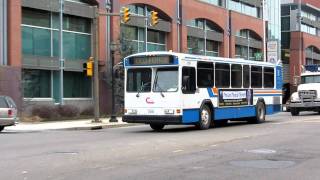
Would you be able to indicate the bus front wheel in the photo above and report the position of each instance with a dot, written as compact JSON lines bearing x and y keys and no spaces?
{"x":205,"y":118}
{"x":157,"y":127}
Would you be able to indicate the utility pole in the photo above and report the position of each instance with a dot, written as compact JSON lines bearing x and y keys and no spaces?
{"x":264,"y":30}
{"x":96,"y":71}
{"x":61,"y":60}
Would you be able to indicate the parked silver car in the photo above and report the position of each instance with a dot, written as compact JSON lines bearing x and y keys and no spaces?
{"x":8,"y":112}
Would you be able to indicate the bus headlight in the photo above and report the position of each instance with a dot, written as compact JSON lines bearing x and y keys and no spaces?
{"x":132,"y":111}
{"x":169,"y":111}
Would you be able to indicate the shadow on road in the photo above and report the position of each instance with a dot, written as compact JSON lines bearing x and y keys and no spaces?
{"x":192,"y":128}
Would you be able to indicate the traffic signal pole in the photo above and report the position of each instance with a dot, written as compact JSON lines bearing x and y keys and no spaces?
{"x":96,"y":74}
{"x":125,"y":17}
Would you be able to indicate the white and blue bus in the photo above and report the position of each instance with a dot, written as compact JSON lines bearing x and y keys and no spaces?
{"x":166,"y":88}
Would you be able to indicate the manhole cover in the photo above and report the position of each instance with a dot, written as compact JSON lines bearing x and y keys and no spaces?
{"x":262,"y":151}
{"x":263,"y":164}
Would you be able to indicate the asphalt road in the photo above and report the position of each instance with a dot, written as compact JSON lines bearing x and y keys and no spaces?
{"x":284,"y":147}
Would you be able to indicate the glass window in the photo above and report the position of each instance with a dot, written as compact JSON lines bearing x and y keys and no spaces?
{"x":236,"y":76}
{"x":139,"y":80}
{"x":77,"y":24}
{"x":78,"y":45}
{"x":76,"y":85}
{"x":11,"y":103}
{"x":285,"y":23}
{"x":215,"y":2}
{"x":188,"y":80}
{"x":310,"y":79}
{"x":205,"y":74}
{"x":35,"y":17}
{"x":156,"y":37}
{"x":256,"y":77}
{"x":3,"y":103}
{"x":36,"y":41}
{"x":244,"y":8}
{"x":222,"y":75}
{"x":195,"y":45}
{"x":129,"y":32}
{"x":36,"y":83}
{"x":166,"y":80}
{"x":268,"y":77}
{"x":246,"y":76}
{"x":285,"y":10}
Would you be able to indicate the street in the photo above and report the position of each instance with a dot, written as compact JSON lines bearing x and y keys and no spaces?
{"x":284,"y":147}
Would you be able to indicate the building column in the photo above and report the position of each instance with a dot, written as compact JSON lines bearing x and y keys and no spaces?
{"x":14,"y":33}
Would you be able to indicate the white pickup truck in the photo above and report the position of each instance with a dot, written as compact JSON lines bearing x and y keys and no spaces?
{"x":307,"y":97}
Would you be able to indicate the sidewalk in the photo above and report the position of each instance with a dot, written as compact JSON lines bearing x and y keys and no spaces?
{"x":85,"y":124}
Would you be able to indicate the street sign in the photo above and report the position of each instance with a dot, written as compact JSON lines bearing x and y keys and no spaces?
{"x":272,"y":51}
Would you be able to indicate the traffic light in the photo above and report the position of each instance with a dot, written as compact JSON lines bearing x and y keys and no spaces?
{"x":88,"y":67}
{"x":125,"y":14}
{"x":154,"y":18}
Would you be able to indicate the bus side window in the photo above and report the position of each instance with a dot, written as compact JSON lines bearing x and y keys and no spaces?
{"x":236,"y":76}
{"x":268,"y":76}
{"x":256,"y":76}
{"x":246,"y":76}
{"x":222,"y":75}
{"x":205,"y":75}
{"x":188,"y":80}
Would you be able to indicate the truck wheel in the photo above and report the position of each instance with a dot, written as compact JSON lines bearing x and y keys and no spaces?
{"x":205,"y":118}
{"x":294,"y":111}
{"x":157,"y":127}
{"x":1,"y":128}
{"x":260,"y":114}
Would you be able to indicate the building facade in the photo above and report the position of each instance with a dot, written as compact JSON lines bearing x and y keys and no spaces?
{"x":223,"y":28}
{"x":300,"y":37}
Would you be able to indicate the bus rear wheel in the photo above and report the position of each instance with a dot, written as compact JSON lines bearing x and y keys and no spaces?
{"x":157,"y":127}
{"x":205,"y":118}
{"x":260,"y":113}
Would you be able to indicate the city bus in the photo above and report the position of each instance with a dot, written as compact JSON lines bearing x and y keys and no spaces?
{"x":167,"y":88}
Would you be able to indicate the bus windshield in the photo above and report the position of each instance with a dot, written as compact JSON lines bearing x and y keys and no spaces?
{"x":139,"y":80}
{"x":166,"y":80}
{"x":310,"y":79}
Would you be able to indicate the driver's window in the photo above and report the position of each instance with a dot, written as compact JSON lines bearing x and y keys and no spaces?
{"x":188,"y":80}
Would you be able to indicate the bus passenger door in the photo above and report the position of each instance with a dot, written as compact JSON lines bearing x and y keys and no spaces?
{"x":190,"y":107}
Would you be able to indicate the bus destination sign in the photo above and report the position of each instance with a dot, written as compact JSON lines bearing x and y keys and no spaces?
{"x":151,"y":60}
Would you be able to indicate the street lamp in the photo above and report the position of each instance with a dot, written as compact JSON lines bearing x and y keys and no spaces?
{"x":113,"y":48}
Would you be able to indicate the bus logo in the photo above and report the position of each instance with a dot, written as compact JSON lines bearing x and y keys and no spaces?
{"x":149,"y":100}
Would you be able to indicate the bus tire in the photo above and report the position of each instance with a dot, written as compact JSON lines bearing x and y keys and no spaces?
{"x":205,"y":118}
{"x":1,"y":128}
{"x":157,"y":127}
{"x":294,"y":111}
{"x":260,"y":113}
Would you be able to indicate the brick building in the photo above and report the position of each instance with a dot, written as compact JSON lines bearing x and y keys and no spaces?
{"x":224,"y":28}
{"x":300,"y":37}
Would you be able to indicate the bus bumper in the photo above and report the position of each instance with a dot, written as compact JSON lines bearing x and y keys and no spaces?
{"x":152,"y":119}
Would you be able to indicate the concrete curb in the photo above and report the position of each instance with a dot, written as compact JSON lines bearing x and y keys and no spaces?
{"x":97,"y":127}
